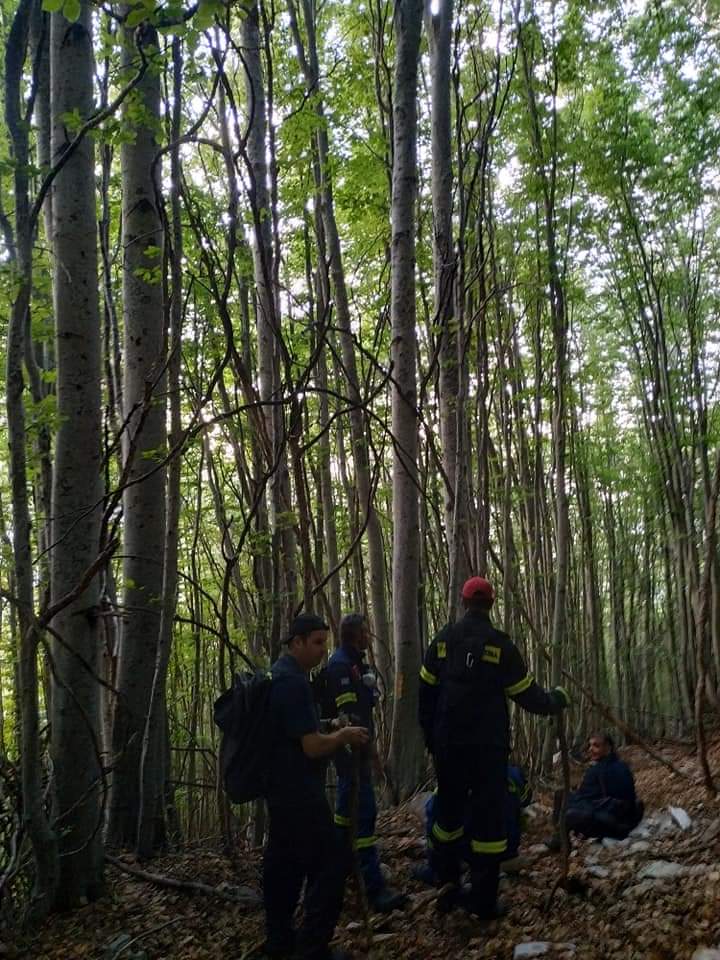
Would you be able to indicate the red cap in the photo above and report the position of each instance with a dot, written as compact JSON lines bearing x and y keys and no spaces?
{"x":478,"y":588}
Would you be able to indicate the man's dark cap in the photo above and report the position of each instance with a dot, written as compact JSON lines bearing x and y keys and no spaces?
{"x":304,"y":624}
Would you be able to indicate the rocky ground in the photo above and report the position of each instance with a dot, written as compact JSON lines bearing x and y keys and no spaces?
{"x":654,"y":896}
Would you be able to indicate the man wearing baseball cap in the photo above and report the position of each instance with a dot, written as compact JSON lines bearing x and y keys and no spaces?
{"x":303,"y":847}
{"x":469,"y":671}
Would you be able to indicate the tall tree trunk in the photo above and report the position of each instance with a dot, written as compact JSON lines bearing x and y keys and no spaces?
{"x":439,"y":27}
{"x":268,"y":328}
{"x":43,"y":840}
{"x":546,"y":174}
{"x":77,"y":486}
{"x":359,"y":422}
{"x":39,"y":355}
{"x":154,"y":768}
{"x":406,"y":747}
{"x":144,"y":441}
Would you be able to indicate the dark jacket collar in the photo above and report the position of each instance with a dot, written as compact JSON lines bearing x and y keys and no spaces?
{"x":288,"y":664}
{"x":481,"y":615}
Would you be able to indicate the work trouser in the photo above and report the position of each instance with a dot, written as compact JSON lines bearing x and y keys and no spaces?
{"x":366,"y":841}
{"x":513,"y":830}
{"x":471,"y":778}
{"x":596,"y":819}
{"x":302,"y":846}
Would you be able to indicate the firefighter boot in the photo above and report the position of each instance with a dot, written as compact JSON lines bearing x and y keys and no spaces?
{"x":482,"y":901}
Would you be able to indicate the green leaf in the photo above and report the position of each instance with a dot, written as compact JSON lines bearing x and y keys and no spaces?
{"x":136,"y":16}
{"x":52,"y":6}
{"x":71,"y":10}
{"x":205,"y":15}
{"x":174,"y":29}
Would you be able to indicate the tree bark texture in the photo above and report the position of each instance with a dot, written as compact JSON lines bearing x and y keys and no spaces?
{"x":42,"y":838}
{"x":144,"y":440}
{"x":406,"y":748}
{"x":268,"y":329}
{"x":359,"y":425}
{"x":77,"y":487}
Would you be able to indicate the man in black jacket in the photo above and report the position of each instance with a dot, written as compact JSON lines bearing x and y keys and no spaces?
{"x":605,"y":803}
{"x":303,"y":847}
{"x":469,"y":671}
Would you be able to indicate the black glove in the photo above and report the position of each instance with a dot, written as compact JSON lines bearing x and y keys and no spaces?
{"x":560,"y":697}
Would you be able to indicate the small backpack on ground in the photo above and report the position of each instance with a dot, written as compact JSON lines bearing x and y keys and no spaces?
{"x":242,"y":714}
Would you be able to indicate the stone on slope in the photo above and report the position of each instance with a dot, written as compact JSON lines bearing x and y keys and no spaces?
{"x":680,"y":817}
{"x":542,"y":948}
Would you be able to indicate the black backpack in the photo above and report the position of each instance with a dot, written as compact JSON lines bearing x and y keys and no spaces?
{"x":242,"y":713}
{"x":322,"y":695}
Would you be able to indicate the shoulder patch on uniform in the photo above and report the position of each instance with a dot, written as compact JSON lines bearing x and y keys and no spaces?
{"x":491,"y":654}
{"x":441,"y":650}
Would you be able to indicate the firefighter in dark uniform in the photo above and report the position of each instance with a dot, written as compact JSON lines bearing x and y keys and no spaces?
{"x":469,"y":671}
{"x":352,"y":694}
{"x":302,"y":846}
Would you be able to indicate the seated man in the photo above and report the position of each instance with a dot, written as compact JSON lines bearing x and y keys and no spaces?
{"x":518,"y":795}
{"x":605,"y":804}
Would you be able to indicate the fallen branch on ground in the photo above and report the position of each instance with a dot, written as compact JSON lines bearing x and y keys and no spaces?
{"x":244,"y":895}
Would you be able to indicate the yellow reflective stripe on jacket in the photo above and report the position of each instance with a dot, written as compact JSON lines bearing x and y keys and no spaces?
{"x":363,"y":843}
{"x":345,"y":698}
{"x":446,"y":836}
{"x":428,"y":677}
{"x":520,"y":686}
{"x":488,"y":846}
{"x":341,"y":821}
{"x":491,"y":654}
{"x":442,"y":650}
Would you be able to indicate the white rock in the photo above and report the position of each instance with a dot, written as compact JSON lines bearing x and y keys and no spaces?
{"x":595,"y":870}
{"x":680,"y":817}
{"x":640,"y":846}
{"x":609,"y":843}
{"x":541,"y":948}
{"x":664,"y":869}
{"x":534,"y":949}
{"x":706,"y":953}
{"x":661,"y":870}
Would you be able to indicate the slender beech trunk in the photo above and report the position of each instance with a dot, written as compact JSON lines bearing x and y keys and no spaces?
{"x":359,"y":422}
{"x":406,"y":748}
{"x":321,"y":305}
{"x":39,"y":356}
{"x":439,"y":27}
{"x":145,"y":438}
{"x":546,"y":173}
{"x":154,"y":768}
{"x":77,"y":483}
{"x":43,"y":840}
{"x":268,"y":328}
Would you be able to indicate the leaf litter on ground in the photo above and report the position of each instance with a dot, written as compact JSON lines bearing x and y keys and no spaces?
{"x":632,"y":907}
